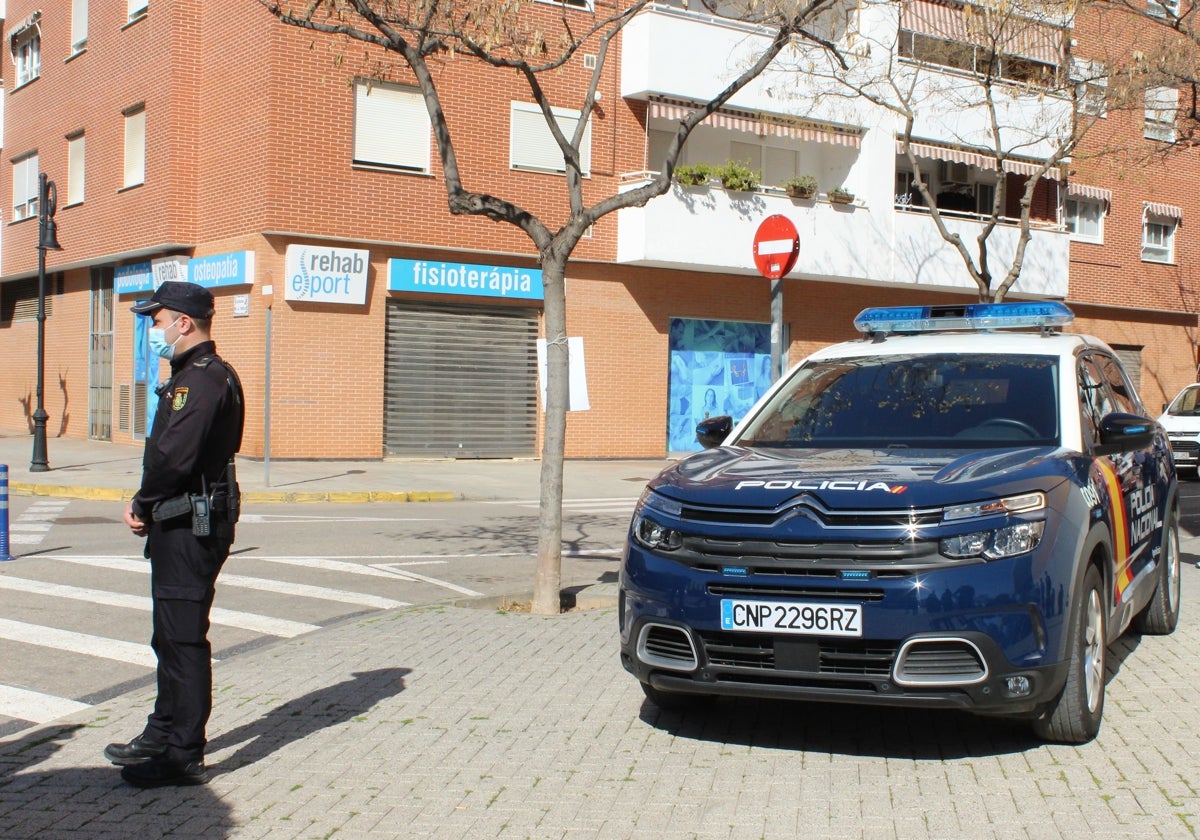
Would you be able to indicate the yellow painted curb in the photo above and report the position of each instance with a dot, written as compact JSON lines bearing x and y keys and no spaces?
{"x":99,"y":494}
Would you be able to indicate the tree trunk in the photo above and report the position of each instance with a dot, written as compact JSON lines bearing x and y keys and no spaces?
{"x":548,"y":577}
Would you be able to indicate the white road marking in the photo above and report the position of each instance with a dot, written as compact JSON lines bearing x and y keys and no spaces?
{"x":25,"y":539}
{"x":600,"y":505}
{"x":453,"y":587}
{"x":30,"y":527}
{"x":72,"y":642}
{"x":290,"y":519}
{"x":303,"y":590}
{"x":34,"y":706}
{"x":263,"y":624}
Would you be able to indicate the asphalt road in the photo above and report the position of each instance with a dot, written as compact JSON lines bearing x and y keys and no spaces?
{"x":74,"y":604}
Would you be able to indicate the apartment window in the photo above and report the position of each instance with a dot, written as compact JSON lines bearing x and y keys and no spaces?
{"x":391,"y":126}
{"x":1090,"y":81}
{"x":26,"y":46}
{"x":25,"y":187}
{"x":135,"y":146}
{"x":1158,"y":239}
{"x":137,"y":8}
{"x":1163,"y":8}
{"x":79,"y":25}
{"x":1161,"y":104}
{"x":75,"y":158}
{"x":1085,"y":219}
{"x":19,"y":298}
{"x":532,"y":146}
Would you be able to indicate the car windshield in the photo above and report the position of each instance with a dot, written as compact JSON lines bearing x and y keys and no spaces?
{"x":1185,"y":405}
{"x":953,"y":400}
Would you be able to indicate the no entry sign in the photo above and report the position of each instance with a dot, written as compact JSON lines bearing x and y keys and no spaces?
{"x":776,"y":246}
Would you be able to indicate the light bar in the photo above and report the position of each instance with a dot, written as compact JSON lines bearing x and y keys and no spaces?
{"x":971,"y":316}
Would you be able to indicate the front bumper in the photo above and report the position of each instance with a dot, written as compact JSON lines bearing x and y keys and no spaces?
{"x":958,"y":638}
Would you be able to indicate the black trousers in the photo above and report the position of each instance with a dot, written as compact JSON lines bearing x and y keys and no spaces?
{"x":183,"y":575}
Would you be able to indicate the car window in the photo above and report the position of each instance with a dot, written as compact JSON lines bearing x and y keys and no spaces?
{"x":1186,"y":403}
{"x":1094,"y":401}
{"x":945,"y":400}
{"x":1124,"y":395}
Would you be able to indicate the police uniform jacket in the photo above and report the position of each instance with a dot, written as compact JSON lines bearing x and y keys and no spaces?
{"x":197,"y":428}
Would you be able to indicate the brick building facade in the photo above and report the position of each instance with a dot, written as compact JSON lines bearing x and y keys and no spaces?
{"x":252,"y":132}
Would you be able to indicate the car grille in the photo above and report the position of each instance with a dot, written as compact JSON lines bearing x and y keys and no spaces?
{"x":807,"y":505}
{"x":1190,"y":446}
{"x":791,"y":559}
{"x":844,"y":658}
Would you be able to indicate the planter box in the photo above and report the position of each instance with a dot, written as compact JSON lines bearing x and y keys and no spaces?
{"x":797,"y":192}
{"x":841,"y":198}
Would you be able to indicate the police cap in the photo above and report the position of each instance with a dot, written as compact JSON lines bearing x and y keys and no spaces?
{"x":186,"y":298}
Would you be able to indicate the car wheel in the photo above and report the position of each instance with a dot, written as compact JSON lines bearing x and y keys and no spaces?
{"x":674,"y":701}
{"x":1074,"y":718}
{"x":1161,"y":615}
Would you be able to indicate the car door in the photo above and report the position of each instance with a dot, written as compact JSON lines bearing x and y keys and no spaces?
{"x":1130,"y":484}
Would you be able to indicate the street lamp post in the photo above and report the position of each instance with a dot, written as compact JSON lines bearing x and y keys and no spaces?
{"x":47,"y":240}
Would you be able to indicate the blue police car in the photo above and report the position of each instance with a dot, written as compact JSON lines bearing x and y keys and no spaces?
{"x":950,"y":512}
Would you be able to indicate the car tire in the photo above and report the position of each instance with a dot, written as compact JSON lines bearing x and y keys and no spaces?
{"x":1161,"y":615}
{"x":675,"y":701}
{"x":1074,"y":717}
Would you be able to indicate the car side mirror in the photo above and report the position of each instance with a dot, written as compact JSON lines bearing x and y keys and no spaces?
{"x":713,"y":431}
{"x":1121,"y":432}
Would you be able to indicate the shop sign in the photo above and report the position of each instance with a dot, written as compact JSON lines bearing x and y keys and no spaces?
{"x":133,"y":278}
{"x":169,"y":268}
{"x":232,"y":269}
{"x":326,"y":275}
{"x":443,"y":278}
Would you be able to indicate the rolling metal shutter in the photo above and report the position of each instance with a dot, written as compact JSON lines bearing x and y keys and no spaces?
{"x":460,"y":381}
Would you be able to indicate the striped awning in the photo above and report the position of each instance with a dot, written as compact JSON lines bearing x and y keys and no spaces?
{"x":965,"y":23}
{"x":1077,"y":190}
{"x":972,"y":157}
{"x":761,"y":124}
{"x":1168,"y":211}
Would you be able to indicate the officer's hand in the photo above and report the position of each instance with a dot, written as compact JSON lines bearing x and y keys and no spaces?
{"x":135,"y":522}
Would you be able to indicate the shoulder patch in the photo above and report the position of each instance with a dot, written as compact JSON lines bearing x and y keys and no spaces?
{"x":180,"y":399}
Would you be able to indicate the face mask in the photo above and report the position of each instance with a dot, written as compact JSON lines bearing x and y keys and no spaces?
{"x":158,"y":340}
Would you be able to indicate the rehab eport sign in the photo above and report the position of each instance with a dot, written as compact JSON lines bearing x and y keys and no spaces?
{"x":326,"y":275}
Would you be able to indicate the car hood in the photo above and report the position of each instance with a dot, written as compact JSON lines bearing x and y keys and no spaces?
{"x":1180,"y":422}
{"x":861,"y":478}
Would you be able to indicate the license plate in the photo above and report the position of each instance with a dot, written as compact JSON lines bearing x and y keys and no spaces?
{"x":791,"y":617}
{"x":1184,"y":456}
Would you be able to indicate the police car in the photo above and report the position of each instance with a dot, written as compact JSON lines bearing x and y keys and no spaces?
{"x":1181,"y":419}
{"x":945,"y":513}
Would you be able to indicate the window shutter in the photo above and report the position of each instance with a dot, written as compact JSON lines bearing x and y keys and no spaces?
{"x":391,"y":126}
{"x":532,"y":146}
{"x":135,"y":148}
{"x":75,"y":157}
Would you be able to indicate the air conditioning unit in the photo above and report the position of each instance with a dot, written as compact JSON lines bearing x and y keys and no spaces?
{"x":955,"y":173}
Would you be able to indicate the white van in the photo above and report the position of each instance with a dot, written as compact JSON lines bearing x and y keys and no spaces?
{"x":1182,"y":422}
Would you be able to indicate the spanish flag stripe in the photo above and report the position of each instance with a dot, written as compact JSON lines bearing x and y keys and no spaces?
{"x":1119,"y":525}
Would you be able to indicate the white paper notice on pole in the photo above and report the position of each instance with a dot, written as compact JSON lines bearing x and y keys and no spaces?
{"x":578,"y":397}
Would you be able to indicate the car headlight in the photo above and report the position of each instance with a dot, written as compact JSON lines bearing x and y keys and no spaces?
{"x":1009,"y":541}
{"x":648,"y":530}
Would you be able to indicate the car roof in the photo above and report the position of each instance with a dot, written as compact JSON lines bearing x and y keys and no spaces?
{"x":1063,"y":345}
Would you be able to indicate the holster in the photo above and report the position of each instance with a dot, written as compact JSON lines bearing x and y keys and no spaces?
{"x":172,"y":508}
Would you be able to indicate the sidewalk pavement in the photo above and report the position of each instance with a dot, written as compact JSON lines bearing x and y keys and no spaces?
{"x":450,"y":721}
{"x":89,"y":469}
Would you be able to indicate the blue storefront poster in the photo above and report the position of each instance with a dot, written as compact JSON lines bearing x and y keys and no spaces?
{"x":717,"y":367}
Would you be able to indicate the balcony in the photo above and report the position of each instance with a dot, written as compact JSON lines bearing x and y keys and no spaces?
{"x":868,"y":242}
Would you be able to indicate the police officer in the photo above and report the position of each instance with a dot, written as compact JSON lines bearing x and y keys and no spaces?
{"x":186,"y":507}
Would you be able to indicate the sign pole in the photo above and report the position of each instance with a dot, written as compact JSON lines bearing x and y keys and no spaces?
{"x":776,"y":247}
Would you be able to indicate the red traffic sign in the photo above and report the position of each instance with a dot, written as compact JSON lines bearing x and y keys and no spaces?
{"x":776,"y":246}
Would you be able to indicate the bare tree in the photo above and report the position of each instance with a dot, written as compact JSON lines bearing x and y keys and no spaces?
{"x":508,"y":37}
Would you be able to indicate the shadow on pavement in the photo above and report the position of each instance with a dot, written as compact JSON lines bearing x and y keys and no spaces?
{"x":884,"y":732}
{"x":93,"y":802}
{"x":297,"y":719}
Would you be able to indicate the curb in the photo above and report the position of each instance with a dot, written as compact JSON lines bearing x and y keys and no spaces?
{"x":116,"y":494}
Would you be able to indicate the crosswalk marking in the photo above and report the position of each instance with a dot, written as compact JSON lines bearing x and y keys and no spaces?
{"x":303,"y":590}
{"x":68,"y":640}
{"x":387,"y":570}
{"x":266,"y":625}
{"x":35,"y":707}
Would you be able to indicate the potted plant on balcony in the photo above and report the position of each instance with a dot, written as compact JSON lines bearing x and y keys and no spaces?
{"x":739,"y":177}
{"x":693,"y":174}
{"x":841,"y":195}
{"x":801,"y":186}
